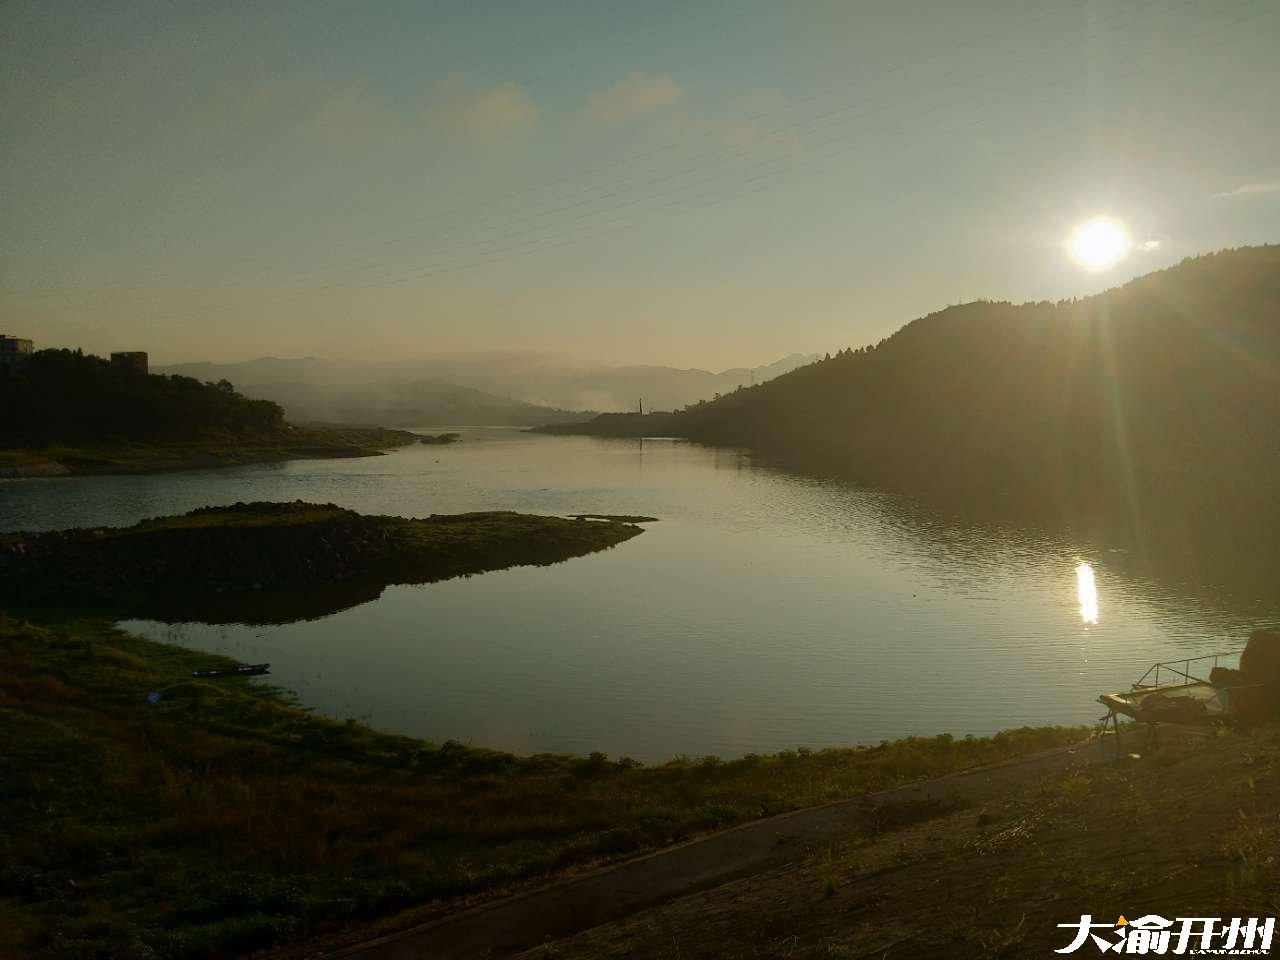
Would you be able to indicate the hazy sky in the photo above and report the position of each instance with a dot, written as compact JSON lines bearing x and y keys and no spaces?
{"x":712,"y":184}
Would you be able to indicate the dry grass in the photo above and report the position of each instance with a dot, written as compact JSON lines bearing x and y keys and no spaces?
{"x":224,"y":818}
{"x":1191,"y":829}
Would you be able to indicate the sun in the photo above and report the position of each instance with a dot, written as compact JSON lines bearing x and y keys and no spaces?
{"x":1100,"y":243}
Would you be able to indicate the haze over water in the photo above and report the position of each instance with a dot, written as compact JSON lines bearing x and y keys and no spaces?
{"x":764,"y":611}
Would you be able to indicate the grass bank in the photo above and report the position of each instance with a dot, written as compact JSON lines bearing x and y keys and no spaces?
{"x":275,"y":562}
{"x":1187,"y":829}
{"x":125,"y":456}
{"x":223,"y":818}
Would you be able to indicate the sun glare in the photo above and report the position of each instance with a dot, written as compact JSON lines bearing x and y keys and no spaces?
{"x":1100,"y":243}
{"x":1087,"y":591}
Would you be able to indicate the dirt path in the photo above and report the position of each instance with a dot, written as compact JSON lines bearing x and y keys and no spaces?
{"x":510,"y":925}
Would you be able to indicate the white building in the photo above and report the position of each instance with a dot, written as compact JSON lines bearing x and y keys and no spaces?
{"x":13,"y":350}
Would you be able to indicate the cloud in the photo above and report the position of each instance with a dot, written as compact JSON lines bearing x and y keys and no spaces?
{"x":634,"y":95}
{"x":483,"y":113}
{"x":1269,"y":186}
{"x":1149,"y":246}
{"x":338,"y":114}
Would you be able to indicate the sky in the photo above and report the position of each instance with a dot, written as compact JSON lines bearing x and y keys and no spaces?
{"x":711,"y":184}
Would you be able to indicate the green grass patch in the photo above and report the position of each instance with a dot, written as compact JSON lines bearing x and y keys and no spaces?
{"x":225,"y":818}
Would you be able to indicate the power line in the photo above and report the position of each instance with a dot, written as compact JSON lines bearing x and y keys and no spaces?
{"x":713,"y":177}
{"x":463,"y":252}
{"x":576,"y":176}
{"x":464,"y":261}
{"x":758,"y":184}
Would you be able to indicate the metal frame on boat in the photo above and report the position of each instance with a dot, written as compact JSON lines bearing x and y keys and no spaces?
{"x":1187,"y":698}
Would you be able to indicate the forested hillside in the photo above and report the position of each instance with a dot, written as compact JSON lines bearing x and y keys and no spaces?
{"x":64,"y":396}
{"x":1146,"y":405}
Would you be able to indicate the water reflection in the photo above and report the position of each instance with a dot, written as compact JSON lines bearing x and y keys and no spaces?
{"x":768,"y":609}
{"x":1087,"y":589}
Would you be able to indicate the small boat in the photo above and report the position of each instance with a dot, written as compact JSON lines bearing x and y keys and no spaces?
{"x":1185,"y":697}
{"x":248,"y":670}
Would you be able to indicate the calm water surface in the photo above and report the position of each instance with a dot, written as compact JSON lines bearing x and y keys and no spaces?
{"x":764,"y":611}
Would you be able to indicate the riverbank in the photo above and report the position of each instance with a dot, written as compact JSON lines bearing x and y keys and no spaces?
{"x":558,"y":911}
{"x":1186,"y":829}
{"x":275,"y":562}
{"x":222,"y":817}
{"x":293,"y":443}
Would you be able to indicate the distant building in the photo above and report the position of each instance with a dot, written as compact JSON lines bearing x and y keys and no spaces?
{"x":14,"y":350}
{"x":135,"y":361}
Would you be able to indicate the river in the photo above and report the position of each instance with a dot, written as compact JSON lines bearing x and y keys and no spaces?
{"x":765,"y":610}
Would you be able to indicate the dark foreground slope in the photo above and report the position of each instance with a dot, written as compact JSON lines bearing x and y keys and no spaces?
{"x":276,"y":562}
{"x":221,"y":818}
{"x":1187,"y":829}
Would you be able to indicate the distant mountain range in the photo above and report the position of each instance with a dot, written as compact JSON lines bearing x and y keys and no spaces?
{"x":514,"y":389}
{"x":558,"y":383}
{"x":330,"y":391}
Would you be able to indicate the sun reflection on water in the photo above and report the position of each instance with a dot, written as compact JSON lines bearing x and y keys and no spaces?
{"x":1087,"y":589}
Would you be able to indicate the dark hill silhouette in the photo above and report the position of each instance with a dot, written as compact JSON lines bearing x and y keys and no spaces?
{"x":64,"y":396}
{"x":65,"y":412}
{"x":1149,"y":413}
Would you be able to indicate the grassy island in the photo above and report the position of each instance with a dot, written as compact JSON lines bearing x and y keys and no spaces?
{"x":275,"y":562}
{"x":441,"y":439}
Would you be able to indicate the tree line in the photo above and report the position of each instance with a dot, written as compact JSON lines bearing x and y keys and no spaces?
{"x":1151,"y":407}
{"x":67,"y":396}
